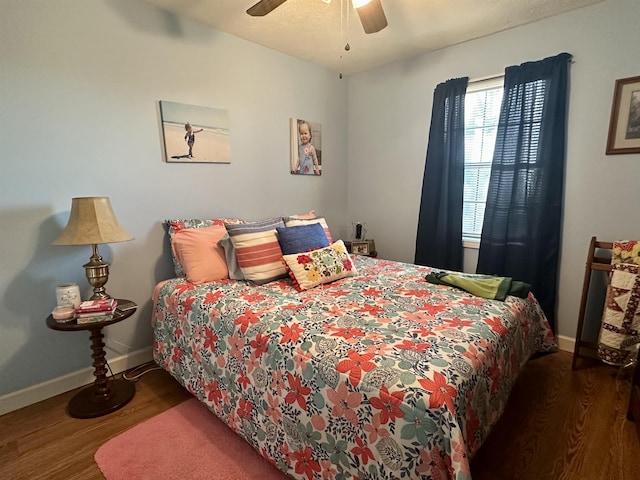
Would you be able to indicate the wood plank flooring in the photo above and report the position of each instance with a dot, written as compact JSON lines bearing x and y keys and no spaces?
{"x":559,"y":424}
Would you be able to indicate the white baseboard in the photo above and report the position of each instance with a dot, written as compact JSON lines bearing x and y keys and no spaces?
{"x":567,"y":344}
{"x":50,"y":388}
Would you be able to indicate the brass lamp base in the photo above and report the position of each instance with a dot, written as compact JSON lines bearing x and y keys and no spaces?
{"x":97,"y":271}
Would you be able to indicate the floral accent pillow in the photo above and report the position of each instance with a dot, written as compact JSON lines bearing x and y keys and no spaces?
{"x":323,"y":265}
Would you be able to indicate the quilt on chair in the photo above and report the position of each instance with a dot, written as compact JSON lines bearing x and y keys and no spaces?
{"x":621,"y":316}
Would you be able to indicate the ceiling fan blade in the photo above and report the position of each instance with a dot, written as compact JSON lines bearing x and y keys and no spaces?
{"x":372,"y":16}
{"x":263,"y":7}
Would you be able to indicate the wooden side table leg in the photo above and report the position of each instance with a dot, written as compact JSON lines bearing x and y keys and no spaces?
{"x":103,"y":396}
{"x":101,"y":387}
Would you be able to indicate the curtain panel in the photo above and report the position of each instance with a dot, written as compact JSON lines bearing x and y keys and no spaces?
{"x":439,"y":236}
{"x":523,"y":216}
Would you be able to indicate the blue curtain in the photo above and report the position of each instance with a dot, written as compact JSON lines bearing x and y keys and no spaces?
{"x":523,"y":215}
{"x":439,"y":238}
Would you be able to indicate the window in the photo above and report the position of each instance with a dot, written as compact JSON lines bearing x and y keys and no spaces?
{"x":482,"y":112}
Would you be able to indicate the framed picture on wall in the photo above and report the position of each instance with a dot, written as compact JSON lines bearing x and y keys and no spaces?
{"x":195,"y":134}
{"x":306,"y":147}
{"x":624,"y":126}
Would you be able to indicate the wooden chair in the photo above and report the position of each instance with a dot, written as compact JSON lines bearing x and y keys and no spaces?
{"x":598,"y":263}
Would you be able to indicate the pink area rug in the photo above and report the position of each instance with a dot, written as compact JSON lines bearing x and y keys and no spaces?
{"x":184,"y":442}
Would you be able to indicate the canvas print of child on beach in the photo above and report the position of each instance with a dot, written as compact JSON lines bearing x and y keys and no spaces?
{"x":195,"y":134}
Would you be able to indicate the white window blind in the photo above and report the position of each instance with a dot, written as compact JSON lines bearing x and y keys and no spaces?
{"x":482,"y":112}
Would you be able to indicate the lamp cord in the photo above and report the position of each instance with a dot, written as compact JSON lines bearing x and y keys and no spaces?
{"x":141,"y":369}
{"x":145,"y":367}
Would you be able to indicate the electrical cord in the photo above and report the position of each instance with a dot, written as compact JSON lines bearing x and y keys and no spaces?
{"x":145,"y":368}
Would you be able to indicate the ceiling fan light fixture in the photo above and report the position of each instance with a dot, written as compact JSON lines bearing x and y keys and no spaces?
{"x":370,"y":12}
{"x":371,"y":15}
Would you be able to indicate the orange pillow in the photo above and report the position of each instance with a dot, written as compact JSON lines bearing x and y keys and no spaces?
{"x":199,"y":255}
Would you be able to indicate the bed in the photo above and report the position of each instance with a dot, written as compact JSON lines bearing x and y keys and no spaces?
{"x":379,"y":375}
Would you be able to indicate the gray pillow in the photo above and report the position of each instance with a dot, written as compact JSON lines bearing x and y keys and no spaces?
{"x":230,"y":256}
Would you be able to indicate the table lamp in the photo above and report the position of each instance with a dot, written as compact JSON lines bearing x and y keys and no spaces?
{"x":92,"y":222}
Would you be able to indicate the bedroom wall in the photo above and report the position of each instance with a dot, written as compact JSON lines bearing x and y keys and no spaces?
{"x":388,"y":136}
{"x":79,"y":89}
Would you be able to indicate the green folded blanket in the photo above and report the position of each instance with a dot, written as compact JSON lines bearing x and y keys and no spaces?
{"x":485,"y":286}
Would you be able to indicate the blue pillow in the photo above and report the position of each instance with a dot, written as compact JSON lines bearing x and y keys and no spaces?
{"x":301,"y":238}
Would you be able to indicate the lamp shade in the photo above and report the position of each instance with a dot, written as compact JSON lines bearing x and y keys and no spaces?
{"x":91,"y":222}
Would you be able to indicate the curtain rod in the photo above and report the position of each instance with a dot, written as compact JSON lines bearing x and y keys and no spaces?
{"x":488,"y":77}
{"x":498,"y":75}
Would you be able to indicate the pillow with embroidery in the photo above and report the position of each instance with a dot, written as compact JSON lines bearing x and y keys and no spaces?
{"x":323,"y":265}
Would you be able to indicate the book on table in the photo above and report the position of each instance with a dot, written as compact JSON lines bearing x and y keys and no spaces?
{"x":95,"y":314}
{"x":96,"y":306}
{"x":124,"y":305}
{"x":94,"y":318}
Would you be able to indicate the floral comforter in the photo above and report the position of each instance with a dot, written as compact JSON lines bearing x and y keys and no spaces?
{"x":378,"y":376}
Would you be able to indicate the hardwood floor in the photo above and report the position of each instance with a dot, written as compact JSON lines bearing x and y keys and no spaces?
{"x":559,"y":424}
{"x":563,"y":425}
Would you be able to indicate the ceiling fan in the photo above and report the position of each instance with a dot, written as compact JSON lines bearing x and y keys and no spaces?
{"x":370,"y":12}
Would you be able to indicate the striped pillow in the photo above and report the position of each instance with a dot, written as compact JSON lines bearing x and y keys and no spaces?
{"x":257,"y":250}
{"x":293,"y":221}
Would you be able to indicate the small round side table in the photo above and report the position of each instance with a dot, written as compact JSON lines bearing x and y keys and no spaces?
{"x":104,"y":395}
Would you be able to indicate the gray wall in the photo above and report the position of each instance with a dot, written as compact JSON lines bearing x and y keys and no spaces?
{"x":390,"y":110}
{"x":80,"y":83}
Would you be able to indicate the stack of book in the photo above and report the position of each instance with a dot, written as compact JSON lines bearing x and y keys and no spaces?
{"x":91,"y":311}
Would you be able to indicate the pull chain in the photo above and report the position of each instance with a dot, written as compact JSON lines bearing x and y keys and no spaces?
{"x":347,"y":47}
{"x":341,"y":30}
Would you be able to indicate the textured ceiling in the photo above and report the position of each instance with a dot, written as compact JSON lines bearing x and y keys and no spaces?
{"x":317,"y":32}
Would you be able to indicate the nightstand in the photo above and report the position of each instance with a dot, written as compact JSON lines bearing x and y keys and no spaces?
{"x":104,"y":395}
